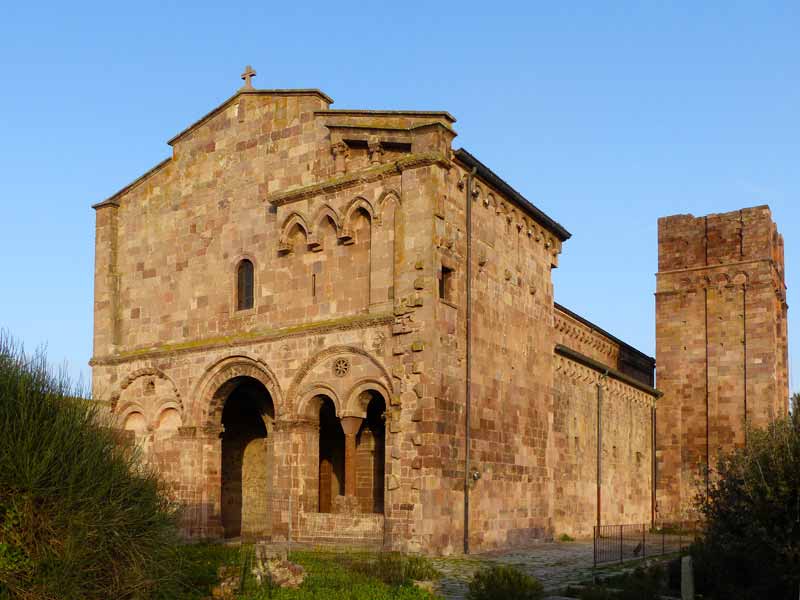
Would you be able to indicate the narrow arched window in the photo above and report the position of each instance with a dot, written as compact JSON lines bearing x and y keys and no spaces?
{"x":244,"y":285}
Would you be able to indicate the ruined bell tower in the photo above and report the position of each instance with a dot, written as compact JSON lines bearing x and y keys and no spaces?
{"x":721,"y":343}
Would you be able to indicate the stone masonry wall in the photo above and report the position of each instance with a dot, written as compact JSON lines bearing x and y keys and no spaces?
{"x":278,"y":179}
{"x":625,"y":454}
{"x":355,"y":224}
{"x":721,"y":342}
{"x":512,"y":361}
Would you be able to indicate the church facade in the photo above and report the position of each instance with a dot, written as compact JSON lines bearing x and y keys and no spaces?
{"x":332,"y":325}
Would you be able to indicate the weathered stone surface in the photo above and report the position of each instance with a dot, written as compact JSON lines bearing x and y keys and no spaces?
{"x":285,"y":574}
{"x":721,"y":342}
{"x":229,"y":582}
{"x":687,"y":578}
{"x":352,"y":227}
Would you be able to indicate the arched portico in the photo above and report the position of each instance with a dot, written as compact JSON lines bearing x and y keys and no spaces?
{"x":239,"y":401}
{"x":343,"y":393}
{"x":352,"y":456}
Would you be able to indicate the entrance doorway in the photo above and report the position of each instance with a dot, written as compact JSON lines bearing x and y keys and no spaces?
{"x":247,"y":459}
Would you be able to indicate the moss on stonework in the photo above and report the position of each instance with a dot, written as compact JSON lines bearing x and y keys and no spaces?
{"x":367,"y":174}
{"x":252,"y":335}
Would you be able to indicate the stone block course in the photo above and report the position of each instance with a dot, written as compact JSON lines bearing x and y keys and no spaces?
{"x":350,"y":358}
{"x":721,"y":342}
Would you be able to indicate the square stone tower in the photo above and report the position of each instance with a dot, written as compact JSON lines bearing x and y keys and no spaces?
{"x":721,"y":343}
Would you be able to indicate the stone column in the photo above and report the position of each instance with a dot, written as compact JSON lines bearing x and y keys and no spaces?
{"x":350,"y":425}
{"x":211,"y":488}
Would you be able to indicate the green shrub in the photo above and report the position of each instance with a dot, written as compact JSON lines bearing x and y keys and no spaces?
{"x":420,"y":568}
{"x":564,"y":537}
{"x":596,"y":593}
{"x":751,"y":546}
{"x":393,"y":568}
{"x":79,"y":518}
{"x":501,"y":582}
{"x":641,"y":584}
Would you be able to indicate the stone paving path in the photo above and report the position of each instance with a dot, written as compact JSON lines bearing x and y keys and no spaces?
{"x":555,"y":564}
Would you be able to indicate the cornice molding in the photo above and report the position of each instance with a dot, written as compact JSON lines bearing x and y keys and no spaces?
{"x":411,"y":161}
{"x":599,"y":367}
{"x":245,"y":339}
{"x":725,"y":265}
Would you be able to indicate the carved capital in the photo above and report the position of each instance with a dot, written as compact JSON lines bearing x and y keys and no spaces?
{"x":351,"y":425}
{"x":298,"y":425}
{"x":284,"y":246}
{"x":314,"y":244}
{"x":213,"y":431}
{"x":346,"y":236}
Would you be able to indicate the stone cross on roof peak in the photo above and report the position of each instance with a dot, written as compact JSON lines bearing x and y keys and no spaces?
{"x":248,"y":75}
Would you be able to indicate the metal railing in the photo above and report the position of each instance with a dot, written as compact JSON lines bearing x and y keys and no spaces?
{"x":620,"y":543}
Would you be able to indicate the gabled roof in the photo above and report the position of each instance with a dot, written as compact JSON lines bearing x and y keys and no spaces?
{"x":111,"y":200}
{"x":297,"y":92}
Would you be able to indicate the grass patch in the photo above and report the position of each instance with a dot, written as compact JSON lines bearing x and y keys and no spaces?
{"x":329,"y":575}
{"x":393,"y":568}
{"x":333,"y":575}
{"x":196,"y":567}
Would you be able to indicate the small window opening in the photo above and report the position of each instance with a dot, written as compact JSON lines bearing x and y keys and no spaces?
{"x":313,"y":285}
{"x":244,"y":292}
{"x":446,"y":284}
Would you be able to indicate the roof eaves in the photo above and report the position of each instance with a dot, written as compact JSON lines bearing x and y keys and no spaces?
{"x":601,"y":331}
{"x":112,"y":199}
{"x":496,"y":181}
{"x":596,"y":365}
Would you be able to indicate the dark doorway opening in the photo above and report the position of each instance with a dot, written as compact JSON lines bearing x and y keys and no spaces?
{"x":246,"y":459}
{"x":331,"y":456}
{"x":371,"y":453}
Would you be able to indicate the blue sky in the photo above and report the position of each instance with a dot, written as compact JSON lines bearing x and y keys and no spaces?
{"x":605,"y":115}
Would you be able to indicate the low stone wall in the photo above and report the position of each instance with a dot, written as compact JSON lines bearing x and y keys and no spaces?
{"x":343,"y":530}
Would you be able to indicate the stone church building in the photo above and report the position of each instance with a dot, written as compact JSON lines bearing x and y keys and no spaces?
{"x":331,"y":325}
